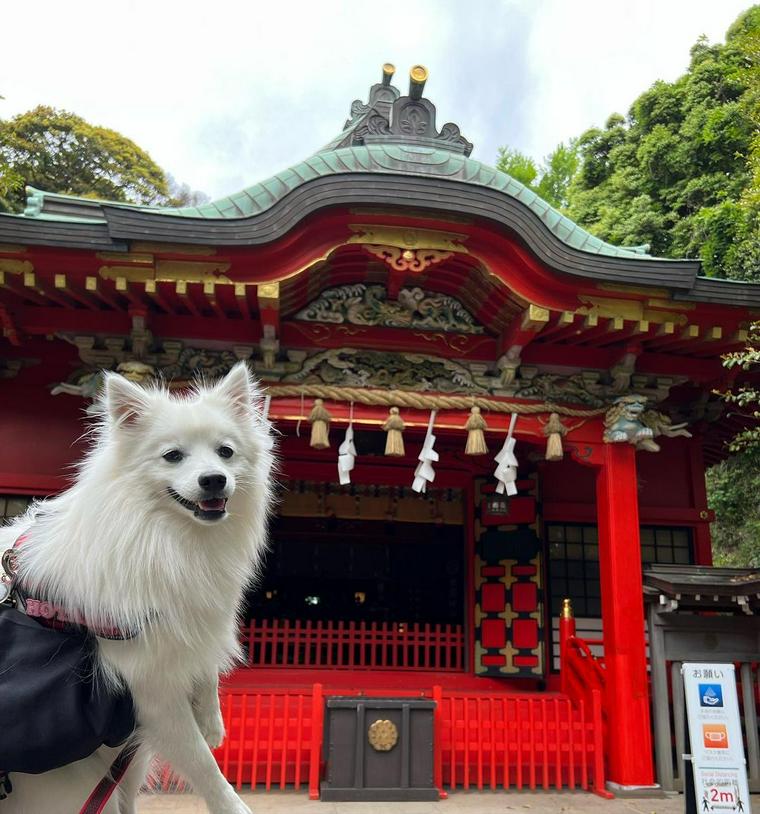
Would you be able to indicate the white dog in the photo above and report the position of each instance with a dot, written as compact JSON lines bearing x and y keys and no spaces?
{"x":161,"y":533}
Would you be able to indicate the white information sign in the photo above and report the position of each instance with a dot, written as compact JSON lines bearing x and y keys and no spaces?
{"x":720,"y":771}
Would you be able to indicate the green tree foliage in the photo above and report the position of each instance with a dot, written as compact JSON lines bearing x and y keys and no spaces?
{"x":60,"y":152}
{"x":554,"y":175}
{"x":520,"y":166}
{"x":682,"y":171}
{"x":9,"y":181}
{"x":745,"y":399}
{"x":734,"y":485}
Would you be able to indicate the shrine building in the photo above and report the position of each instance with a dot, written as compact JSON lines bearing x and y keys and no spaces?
{"x":392,"y":285}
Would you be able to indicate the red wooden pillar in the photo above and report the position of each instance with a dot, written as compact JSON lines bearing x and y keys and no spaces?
{"x":629,"y":739}
{"x":702,"y":538}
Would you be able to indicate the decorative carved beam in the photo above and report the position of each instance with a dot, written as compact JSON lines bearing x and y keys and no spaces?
{"x":127,"y":289}
{"x":10,"y":331}
{"x":622,"y":371}
{"x":638,"y":329}
{"x":53,"y":294}
{"x":268,"y":301}
{"x":186,"y":298}
{"x":524,"y":327}
{"x":209,"y":289}
{"x":19,"y":289}
{"x":61,"y":283}
{"x":241,"y":298}
{"x":414,"y":260}
{"x":563,"y":320}
{"x":521,"y":332}
{"x":91,"y":284}
{"x":151,"y":289}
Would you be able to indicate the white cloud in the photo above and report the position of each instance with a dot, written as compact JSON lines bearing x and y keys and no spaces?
{"x":223,"y":94}
{"x":592,"y":58}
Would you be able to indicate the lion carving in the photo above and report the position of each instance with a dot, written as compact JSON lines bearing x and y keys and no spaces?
{"x":628,"y":421}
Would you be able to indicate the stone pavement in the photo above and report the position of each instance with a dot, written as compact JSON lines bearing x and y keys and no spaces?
{"x":286,"y":802}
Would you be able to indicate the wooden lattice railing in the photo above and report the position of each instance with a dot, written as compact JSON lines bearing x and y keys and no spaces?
{"x":482,"y":740}
{"x":353,"y":645}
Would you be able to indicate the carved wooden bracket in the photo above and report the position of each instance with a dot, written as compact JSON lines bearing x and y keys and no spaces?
{"x":414,"y":260}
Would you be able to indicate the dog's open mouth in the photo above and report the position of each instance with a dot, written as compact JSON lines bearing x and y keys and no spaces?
{"x":210,"y":509}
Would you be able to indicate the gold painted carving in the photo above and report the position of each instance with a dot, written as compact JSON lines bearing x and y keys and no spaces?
{"x":408,"y":238}
{"x":125,"y":257}
{"x":170,"y":271}
{"x":16,"y":266}
{"x":133,"y":274}
{"x":415,"y":260}
{"x":382,"y":735}
{"x":269,"y":292}
{"x":173,"y":248}
{"x":535,"y":318}
{"x":632,"y":310}
{"x":7,"y":248}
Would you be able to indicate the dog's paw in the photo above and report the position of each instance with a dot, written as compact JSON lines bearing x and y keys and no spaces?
{"x":212,"y":727}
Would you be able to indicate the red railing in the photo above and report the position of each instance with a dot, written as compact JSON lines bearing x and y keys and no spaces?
{"x":522,"y":741}
{"x":353,"y":645}
{"x":481,"y":741}
{"x":274,"y":739}
{"x":582,"y":680}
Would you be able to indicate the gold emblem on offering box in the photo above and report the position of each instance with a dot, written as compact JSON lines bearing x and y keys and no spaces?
{"x":382,"y":735}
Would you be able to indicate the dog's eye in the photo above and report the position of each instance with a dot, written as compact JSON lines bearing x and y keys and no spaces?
{"x":174,"y":456}
{"x":225,"y":452}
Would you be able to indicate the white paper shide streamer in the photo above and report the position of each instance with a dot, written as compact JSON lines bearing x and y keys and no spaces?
{"x":347,"y":453}
{"x":424,"y":473}
{"x":506,"y":471}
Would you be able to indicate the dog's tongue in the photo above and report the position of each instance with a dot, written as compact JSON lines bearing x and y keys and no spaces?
{"x":215,"y":505}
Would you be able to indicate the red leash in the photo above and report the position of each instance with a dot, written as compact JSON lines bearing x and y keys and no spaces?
{"x":101,"y":794}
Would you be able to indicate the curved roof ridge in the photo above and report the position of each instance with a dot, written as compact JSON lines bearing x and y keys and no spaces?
{"x":401,"y":159}
{"x":392,"y":159}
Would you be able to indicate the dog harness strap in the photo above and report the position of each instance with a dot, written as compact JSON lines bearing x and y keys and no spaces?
{"x":50,"y":615}
{"x":101,"y":794}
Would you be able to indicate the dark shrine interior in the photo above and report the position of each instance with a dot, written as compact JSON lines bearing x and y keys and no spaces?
{"x":361,"y":570}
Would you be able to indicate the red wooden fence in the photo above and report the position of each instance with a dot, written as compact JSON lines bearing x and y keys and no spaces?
{"x":273,"y":738}
{"x":482,"y":741}
{"x":353,"y":645}
{"x":518,"y":741}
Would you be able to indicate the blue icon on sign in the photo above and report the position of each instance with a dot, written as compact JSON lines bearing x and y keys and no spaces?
{"x":710,"y":695}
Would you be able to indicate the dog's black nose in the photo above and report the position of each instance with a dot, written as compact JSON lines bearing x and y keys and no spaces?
{"x":213,"y":482}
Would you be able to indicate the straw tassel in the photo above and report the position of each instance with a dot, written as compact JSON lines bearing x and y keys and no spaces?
{"x":476,"y":441}
{"x":394,"y":427}
{"x":320,"y":426}
{"x":554,"y":430}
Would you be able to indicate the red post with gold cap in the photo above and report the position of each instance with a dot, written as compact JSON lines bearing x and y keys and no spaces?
{"x":566,"y":630}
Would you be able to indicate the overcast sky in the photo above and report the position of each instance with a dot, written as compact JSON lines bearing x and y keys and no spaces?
{"x":223,"y":94}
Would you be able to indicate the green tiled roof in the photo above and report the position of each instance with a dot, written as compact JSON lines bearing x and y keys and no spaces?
{"x":392,"y":159}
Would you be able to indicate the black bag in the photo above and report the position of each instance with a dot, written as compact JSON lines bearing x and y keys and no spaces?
{"x":52,"y":710}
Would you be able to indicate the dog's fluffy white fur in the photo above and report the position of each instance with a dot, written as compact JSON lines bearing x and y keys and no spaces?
{"x":123,"y":550}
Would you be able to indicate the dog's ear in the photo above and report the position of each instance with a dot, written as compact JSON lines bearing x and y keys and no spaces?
{"x":124,"y":401}
{"x":239,"y":389}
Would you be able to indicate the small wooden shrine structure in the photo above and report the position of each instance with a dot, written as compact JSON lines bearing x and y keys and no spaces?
{"x":403,"y":284}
